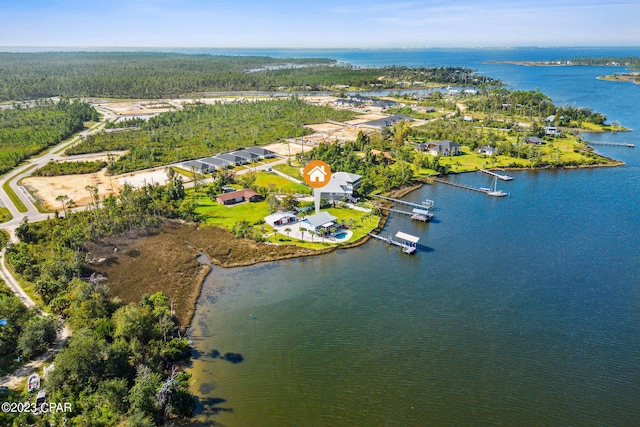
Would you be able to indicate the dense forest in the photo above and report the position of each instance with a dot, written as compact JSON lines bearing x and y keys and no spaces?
{"x":157,"y":75}
{"x":25,"y":334}
{"x":203,"y":130}
{"x":27,"y":130}
{"x":69,"y":168}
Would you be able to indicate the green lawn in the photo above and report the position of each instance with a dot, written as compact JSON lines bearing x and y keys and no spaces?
{"x":17,"y":202}
{"x":362,"y":222}
{"x":213,"y":213}
{"x":280,"y":184}
{"x":5,"y":215}
{"x":293,"y":170}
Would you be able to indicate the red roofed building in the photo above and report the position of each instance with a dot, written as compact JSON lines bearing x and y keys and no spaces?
{"x":238,"y":197}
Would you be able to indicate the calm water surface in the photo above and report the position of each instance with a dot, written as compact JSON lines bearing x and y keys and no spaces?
{"x":517,"y":311}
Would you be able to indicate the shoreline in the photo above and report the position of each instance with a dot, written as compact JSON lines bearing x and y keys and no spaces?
{"x":384,"y":215}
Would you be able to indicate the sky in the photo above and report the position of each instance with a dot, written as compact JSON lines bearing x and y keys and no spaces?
{"x":319,"y":24}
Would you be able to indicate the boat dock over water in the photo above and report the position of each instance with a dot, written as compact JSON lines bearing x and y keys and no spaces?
{"x":427,"y":204}
{"x":502,"y":177}
{"x":416,"y":214}
{"x":612,"y":144}
{"x":466,"y":187}
{"x":406,"y":241}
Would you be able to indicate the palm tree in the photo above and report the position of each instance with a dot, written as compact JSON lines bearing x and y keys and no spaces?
{"x":287,"y":230}
{"x":63,"y":198}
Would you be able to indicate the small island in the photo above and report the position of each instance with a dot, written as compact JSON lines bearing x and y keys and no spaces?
{"x":633,"y":77}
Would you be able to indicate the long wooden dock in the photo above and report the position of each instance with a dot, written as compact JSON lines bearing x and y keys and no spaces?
{"x":612,"y":144}
{"x":466,"y":187}
{"x":502,"y":177}
{"x":427,"y":204}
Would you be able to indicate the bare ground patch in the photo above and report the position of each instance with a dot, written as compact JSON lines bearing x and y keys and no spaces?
{"x":163,"y":259}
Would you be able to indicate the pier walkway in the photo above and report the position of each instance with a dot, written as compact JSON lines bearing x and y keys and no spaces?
{"x":612,"y":144}
{"x":466,"y":187}
{"x":502,"y":177}
{"x":427,"y":204}
{"x":416,"y":214}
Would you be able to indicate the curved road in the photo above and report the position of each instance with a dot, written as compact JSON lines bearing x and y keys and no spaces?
{"x":32,"y":215}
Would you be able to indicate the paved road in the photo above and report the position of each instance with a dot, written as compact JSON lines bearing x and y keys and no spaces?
{"x":32,"y":215}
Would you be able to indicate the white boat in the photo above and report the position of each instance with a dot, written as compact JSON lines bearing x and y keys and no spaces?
{"x":493,"y":190}
{"x":33,"y":383}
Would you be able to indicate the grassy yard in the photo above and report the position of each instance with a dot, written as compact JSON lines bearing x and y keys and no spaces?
{"x":280,"y":184}
{"x":558,"y":151}
{"x":361,"y":224}
{"x":293,"y":170}
{"x":213,"y":213}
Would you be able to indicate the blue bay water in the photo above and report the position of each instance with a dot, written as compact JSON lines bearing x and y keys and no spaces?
{"x":517,"y":311}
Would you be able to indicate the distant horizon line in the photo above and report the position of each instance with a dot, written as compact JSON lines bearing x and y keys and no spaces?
{"x":3,"y":48}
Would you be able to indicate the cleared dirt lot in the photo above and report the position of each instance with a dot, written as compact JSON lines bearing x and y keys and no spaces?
{"x":74,"y":186}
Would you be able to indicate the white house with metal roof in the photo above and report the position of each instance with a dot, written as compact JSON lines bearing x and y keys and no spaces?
{"x":341,"y":185}
{"x":319,"y":223}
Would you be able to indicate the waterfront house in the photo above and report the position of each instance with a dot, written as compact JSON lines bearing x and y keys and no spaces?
{"x":280,"y":218}
{"x":442,"y":148}
{"x":487,"y":150}
{"x":239,"y":196}
{"x":551,"y":131}
{"x":319,"y":223}
{"x":341,"y":185}
{"x":534,"y":140}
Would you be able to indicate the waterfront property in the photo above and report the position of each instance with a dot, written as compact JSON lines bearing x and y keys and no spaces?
{"x":341,"y":185}
{"x":319,"y":223}
{"x":442,"y":148}
{"x":487,"y":150}
{"x":239,"y":196}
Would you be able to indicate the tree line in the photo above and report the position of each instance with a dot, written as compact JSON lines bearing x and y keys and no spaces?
{"x":204,"y":130}
{"x":28,"y":130}
{"x":156,"y":75}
